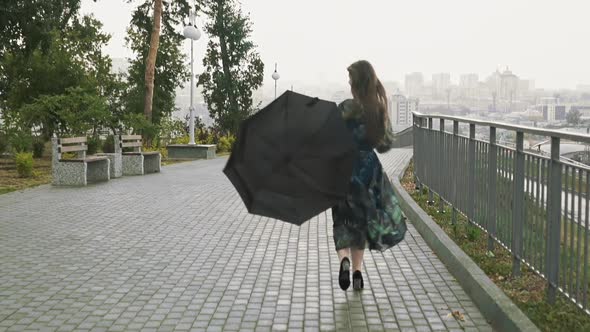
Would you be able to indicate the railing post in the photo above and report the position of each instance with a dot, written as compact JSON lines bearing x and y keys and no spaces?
{"x":441,"y":204}
{"x":492,"y":177}
{"x":430,"y":132}
{"x":454,"y":164}
{"x":471,"y":181}
{"x":518,"y":204}
{"x":553,"y":221}
{"x":415,"y":149}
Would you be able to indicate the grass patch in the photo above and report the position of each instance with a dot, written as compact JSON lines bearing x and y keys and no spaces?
{"x":11,"y":181}
{"x":528,"y":291}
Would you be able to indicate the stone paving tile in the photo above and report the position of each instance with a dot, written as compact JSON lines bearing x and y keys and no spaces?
{"x":177,"y":251}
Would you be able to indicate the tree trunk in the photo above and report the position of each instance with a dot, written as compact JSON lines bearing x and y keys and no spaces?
{"x":226,"y":66}
{"x":150,"y":67}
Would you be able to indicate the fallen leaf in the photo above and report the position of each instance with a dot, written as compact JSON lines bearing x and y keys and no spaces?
{"x":458,"y":315}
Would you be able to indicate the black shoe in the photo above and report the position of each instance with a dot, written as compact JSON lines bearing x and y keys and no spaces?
{"x":344,"y":277}
{"x":357,"y":280}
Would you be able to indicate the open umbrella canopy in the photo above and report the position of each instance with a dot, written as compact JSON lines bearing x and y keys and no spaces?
{"x":293,"y":159}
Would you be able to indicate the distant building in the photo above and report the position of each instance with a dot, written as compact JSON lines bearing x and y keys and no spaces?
{"x":525,"y":87}
{"x":508,"y":86}
{"x":401,"y":108}
{"x":583,"y":109}
{"x":551,"y":109}
{"x":441,"y":83}
{"x":414,"y":84}
{"x":391,"y":87}
{"x":468,"y":86}
{"x":503,"y":87}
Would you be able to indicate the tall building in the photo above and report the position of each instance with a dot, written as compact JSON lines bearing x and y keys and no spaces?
{"x":503,"y":87}
{"x":441,"y":83}
{"x":414,"y":84}
{"x":509,"y":86}
{"x":468,"y":86}
{"x":551,"y":109}
{"x":494,"y":84}
{"x":391,"y":87}
{"x":401,"y":108}
{"x":525,"y":87}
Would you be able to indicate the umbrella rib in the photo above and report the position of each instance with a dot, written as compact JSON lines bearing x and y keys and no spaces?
{"x":311,"y":183}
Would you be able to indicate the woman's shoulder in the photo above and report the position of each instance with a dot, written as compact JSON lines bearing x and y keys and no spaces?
{"x":350,"y":108}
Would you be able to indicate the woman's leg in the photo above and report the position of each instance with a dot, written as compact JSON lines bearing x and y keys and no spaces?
{"x":357,"y":259}
{"x":345,"y":252}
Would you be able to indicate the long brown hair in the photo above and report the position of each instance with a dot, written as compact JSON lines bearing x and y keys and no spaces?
{"x":368,"y":90}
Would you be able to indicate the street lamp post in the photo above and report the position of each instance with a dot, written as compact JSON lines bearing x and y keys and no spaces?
{"x":275,"y":76}
{"x":191,"y":32}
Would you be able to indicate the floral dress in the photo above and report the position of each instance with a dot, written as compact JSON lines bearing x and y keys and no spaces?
{"x":370,"y":216}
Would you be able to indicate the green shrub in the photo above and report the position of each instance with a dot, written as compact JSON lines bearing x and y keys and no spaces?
{"x":21,"y":141}
{"x":473,"y":233}
{"x":69,"y":155}
{"x":225,"y":143}
{"x":38,"y":148}
{"x":24,"y":164}
{"x":181,"y":140}
{"x":93,"y":143}
{"x":108,"y":146}
{"x":164,"y":153}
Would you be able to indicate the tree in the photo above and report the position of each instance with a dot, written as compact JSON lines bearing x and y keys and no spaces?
{"x":233,"y":68}
{"x":169,"y":69}
{"x":574,"y":117}
{"x":50,"y":80}
{"x":26,"y":25}
{"x":151,"y":60}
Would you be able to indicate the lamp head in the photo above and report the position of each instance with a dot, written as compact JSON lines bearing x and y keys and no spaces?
{"x":191,"y":32}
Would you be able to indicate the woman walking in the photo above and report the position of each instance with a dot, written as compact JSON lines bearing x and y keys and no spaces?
{"x":370,"y":215}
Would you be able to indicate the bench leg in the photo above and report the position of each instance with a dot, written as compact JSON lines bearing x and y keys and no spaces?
{"x":99,"y":171}
{"x":69,"y":174}
{"x":152,"y":163}
{"x":133,"y":165}
{"x":117,"y":166}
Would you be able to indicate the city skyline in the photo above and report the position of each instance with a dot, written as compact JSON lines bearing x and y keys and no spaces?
{"x":536,"y":38}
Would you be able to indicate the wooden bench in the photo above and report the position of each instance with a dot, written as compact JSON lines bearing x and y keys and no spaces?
{"x":79,"y":170}
{"x":138,"y":162}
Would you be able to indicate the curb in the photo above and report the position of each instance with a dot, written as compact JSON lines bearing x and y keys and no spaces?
{"x":495,"y":306}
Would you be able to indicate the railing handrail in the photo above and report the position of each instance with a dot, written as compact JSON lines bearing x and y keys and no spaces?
{"x":405,"y":131}
{"x":528,"y":130}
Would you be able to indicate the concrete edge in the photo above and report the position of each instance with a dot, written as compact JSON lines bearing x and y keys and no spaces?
{"x":495,"y":306}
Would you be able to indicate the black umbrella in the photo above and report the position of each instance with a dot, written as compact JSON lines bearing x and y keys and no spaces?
{"x":293,"y":159}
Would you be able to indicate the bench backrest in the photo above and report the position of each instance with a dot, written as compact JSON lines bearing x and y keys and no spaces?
{"x":131,"y":141}
{"x":71,"y":144}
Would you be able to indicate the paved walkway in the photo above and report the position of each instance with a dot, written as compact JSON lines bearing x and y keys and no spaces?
{"x":178,"y":251}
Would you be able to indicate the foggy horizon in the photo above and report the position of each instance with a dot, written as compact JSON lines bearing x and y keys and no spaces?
{"x":315,"y":42}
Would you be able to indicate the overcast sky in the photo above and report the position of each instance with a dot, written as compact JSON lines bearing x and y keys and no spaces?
{"x":314,"y":40}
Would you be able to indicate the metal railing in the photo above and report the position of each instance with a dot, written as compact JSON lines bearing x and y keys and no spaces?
{"x":535,"y":206}
{"x":404,"y":138}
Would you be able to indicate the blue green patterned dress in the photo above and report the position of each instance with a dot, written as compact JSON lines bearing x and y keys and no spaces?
{"x":370,"y":216}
